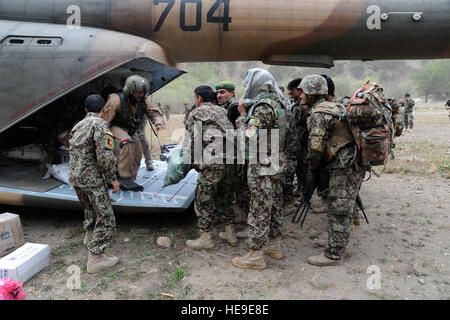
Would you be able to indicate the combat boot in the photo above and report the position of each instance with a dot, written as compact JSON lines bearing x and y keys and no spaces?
{"x":323,"y":261}
{"x":229,"y":235}
{"x":273,"y":249}
{"x":202,"y":243}
{"x":253,"y":260}
{"x":88,"y":237}
{"x":323,"y":208}
{"x":97,"y":262}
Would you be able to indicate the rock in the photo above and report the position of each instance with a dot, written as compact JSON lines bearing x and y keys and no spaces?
{"x":164,"y":242}
{"x":421,"y":281}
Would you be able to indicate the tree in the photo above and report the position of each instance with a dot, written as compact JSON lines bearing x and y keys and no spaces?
{"x":433,"y":79}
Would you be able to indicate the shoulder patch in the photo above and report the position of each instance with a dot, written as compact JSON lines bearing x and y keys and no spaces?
{"x":316,"y":143}
{"x":251,"y":131}
{"x":109,"y":140}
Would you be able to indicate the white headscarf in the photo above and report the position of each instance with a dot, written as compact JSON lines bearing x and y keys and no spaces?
{"x":260,"y":81}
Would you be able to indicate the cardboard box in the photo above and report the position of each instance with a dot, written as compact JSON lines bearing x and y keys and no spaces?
{"x":11,"y":234}
{"x":22,"y":264}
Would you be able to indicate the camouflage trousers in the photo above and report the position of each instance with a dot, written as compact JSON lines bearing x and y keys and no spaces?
{"x":288,"y":180}
{"x":265,"y":217}
{"x":343,"y":189}
{"x":409,"y":120}
{"x":241,"y":191}
{"x":99,"y":217}
{"x":302,"y":168}
{"x":214,"y":195}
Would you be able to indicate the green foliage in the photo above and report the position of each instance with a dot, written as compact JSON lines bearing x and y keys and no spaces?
{"x":433,"y":79}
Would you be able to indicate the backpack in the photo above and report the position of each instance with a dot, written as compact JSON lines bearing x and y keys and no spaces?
{"x":371,"y":121}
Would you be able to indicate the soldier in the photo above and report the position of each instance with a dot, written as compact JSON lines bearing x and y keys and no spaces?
{"x":187,"y":112}
{"x":408,"y":105}
{"x":332,"y":147}
{"x":92,"y":166}
{"x":293,"y":145}
{"x":145,"y":145}
{"x":266,"y":117}
{"x":206,"y":120}
{"x":225,"y":94}
{"x":167,"y":111}
{"x":124,"y":112}
{"x":226,"y":97}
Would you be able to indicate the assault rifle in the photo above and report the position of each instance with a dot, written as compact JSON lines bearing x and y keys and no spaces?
{"x":309,"y":186}
{"x":360,"y":205}
{"x":312,"y":181}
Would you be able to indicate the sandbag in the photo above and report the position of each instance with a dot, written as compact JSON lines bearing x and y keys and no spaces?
{"x":177,"y":168}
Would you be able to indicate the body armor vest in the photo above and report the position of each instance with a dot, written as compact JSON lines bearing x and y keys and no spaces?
{"x":126,"y":120}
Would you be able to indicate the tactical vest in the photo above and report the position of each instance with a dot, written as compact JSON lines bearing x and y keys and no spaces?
{"x":280,"y":123}
{"x":126,"y":120}
{"x":341,"y":134}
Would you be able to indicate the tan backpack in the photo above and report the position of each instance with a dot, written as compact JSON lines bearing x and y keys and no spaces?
{"x":371,"y":119}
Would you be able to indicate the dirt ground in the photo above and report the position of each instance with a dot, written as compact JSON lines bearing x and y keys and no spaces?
{"x":407,"y":241}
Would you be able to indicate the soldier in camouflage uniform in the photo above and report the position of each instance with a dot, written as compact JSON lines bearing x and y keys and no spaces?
{"x":93,"y":166}
{"x":226,"y":97}
{"x":408,"y":105}
{"x":332,"y":146}
{"x":267,"y":116}
{"x":208,"y":120}
{"x":187,"y":112}
{"x":293,"y":145}
{"x":125,"y":112}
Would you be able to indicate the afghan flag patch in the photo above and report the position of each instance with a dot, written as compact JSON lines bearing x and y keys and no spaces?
{"x":316,"y":143}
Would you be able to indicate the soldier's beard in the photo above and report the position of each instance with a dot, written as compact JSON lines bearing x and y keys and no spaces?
{"x":134,"y":101}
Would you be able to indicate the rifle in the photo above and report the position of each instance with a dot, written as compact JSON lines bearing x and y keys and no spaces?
{"x":310,"y":185}
{"x":360,"y":205}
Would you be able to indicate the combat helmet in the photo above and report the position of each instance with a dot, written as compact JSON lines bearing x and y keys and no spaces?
{"x":136,"y":84}
{"x":314,"y":84}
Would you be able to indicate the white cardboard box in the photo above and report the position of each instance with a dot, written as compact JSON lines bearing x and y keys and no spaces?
{"x":11,"y":234}
{"x":22,"y":264}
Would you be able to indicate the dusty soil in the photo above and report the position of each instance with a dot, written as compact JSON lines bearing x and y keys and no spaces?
{"x":408,"y":239}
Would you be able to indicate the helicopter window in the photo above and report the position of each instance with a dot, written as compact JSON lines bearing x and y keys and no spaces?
{"x":46,"y":42}
{"x":16,"y":41}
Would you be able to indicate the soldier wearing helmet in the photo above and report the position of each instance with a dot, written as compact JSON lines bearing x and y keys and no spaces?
{"x":331,"y":147}
{"x":125,"y":113}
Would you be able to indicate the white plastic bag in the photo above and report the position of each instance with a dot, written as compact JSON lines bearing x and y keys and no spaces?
{"x":58,"y":171}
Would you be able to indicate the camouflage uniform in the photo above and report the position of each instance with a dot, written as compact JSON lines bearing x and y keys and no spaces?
{"x":187,"y":112}
{"x":130,"y":156}
{"x":408,"y":111}
{"x":214,"y":193}
{"x":265,"y":217}
{"x":92,"y":166}
{"x":242,"y":194}
{"x":291,"y":156}
{"x":331,"y":147}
